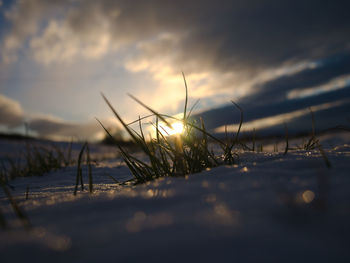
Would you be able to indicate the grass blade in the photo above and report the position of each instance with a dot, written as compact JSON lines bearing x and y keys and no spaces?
{"x":79,"y":171}
{"x":18,"y":211}
{"x":186,"y":97}
{"x":88,"y":163}
{"x":287,"y":140}
{"x":151,"y":110}
{"x":241,"y":120}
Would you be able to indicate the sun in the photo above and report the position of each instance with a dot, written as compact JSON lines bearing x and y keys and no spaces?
{"x":176,"y":128}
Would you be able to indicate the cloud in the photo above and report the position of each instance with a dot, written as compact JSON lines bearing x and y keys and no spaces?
{"x":58,"y":43}
{"x":334,"y":84}
{"x":290,"y":117}
{"x":24,"y":17}
{"x":11,"y":113}
{"x":317,"y":74}
{"x":54,"y":128}
{"x":227,"y":35}
{"x":252,"y":52}
{"x":255,"y":111}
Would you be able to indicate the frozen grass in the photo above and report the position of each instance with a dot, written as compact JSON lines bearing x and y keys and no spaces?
{"x":79,"y":177}
{"x":36,"y":161}
{"x":173,"y":155}
{"x":311,"y":144}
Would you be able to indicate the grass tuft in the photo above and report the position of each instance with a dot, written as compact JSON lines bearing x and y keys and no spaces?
{"x":36,"y":161}
{"x":172,"y":155}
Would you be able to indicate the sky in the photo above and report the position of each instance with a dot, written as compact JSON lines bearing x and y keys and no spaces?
{"x":272,"y":57}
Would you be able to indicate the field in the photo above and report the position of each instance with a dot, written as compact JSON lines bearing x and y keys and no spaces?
{"x":268,"y":207}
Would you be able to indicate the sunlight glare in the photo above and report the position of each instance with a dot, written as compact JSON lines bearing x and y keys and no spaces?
{"x":176,"y":128}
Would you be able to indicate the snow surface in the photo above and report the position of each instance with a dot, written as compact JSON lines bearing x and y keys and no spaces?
{"x":269,"y":208}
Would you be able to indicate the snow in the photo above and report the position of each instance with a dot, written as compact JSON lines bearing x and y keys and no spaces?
{"x":269,"y":208}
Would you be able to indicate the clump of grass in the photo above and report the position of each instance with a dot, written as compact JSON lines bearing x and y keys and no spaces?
{"x":172,"y":155}
{"x":311,"y":144}
{"x":37,"y":161}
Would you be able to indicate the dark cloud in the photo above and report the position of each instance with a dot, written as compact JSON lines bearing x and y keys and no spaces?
{"x":252,"y":111}
{"x":326,"y":119}
{"x":248,"y":34}
{"x":233,"y":34}
{"x":277,"y":89}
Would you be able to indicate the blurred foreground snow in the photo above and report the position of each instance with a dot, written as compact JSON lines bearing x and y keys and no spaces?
{"x":269,"y":208}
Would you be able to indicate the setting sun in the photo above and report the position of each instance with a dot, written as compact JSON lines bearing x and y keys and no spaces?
{"x":176,"y":128}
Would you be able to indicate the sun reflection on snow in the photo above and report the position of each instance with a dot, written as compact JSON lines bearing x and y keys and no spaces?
{"x":308,"y":196}
{"x":244,"y":169}
{"x":141,"y":221}
{"x":55,"y":242}
{"x":223,"y":215}
{"x":162,"y":193}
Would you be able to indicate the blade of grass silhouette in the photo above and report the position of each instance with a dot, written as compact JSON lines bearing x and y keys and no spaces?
{"x":170,"y":148}
{"x":141,"y":131}
{"x":186,"y":98}
{"x":88,"y":163}
{"x":151,"y":115}
{"x":228,"y":147}
{"x":127,"y":158}
{"x":241,"y":119}
{"x":79,"y":171}
{"x":161,"y":150}
{"x":18,"y":211}
{"x":113,"y":179}
{"x":150,"y":109}
{"x":112,"y":138}
{"x":205,"y":138}
{"x":130,"y":132}
{"x":312,"y":122}
{"x":118,"y":117}
{"x":192,"y":108}
{"x":287,"y":139}
{"x":324,"y":156}
{"x":142,"y":118}
{"x":313,"y":141}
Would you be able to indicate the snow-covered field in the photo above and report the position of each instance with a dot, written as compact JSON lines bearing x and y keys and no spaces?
{"x":269,"y":208}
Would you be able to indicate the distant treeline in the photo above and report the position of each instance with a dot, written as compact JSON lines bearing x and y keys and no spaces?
{"x":15,"y":136}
